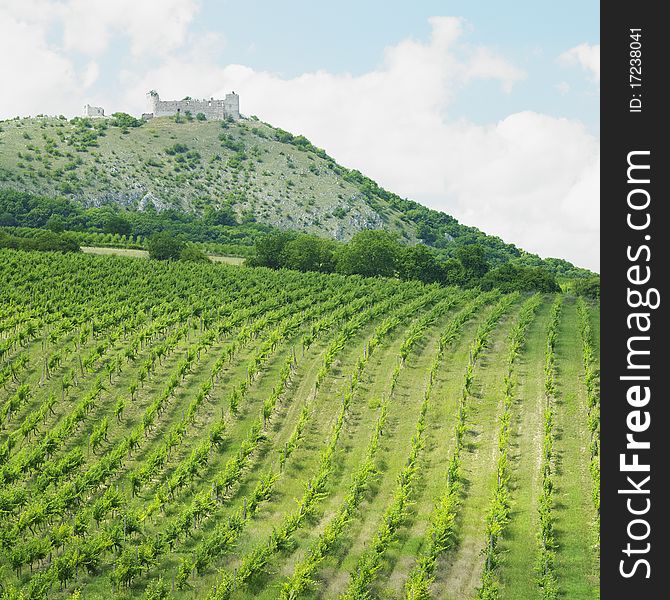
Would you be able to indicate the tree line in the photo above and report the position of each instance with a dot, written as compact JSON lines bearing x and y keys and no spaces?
{"x":215,"y":224}
{"x":378,"y":253}
{"x":42,"y":240}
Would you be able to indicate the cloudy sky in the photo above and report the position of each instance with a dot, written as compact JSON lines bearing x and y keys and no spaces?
{"x":487,"y":110}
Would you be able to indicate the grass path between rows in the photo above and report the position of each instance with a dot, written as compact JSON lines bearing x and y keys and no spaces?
{"x":301,"y":463}
{"x":574,"y":510}
{"x":518,"y":546}
{"x":358,"y":427}
{"x":458,"y":572}
{"x":403,"y":412}
{"x":236,"y":431}
{"x":440,"y":441}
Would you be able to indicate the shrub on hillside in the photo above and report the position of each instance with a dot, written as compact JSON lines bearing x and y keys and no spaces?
{"x":164,"y":246}
{"x":590,"y":288}
{"x":191,"y":253}
{"x":509,"y":278}
{"x":176,"y":149}
{"x":123,"y":120}
{"x":42,"y":240}
{"x":225,"y":215}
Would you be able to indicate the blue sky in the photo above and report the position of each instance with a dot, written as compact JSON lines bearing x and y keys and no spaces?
{"x":485,"y":110}
{"x":293,"y":37}
{"x":298,"y":36}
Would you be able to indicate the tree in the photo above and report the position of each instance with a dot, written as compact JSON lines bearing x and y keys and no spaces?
{"x":201,"y":116}
{"x":370,"y":253}
{"x":115,"y":223}
{"x":56,"y":223}
{"x":48,"y":240}
{"x":589,"y":287}
{"x":509,"y":278}
{"x":453,"y":272}
{"x":7,"y":220}
{"x":165,"y":246}
{"x":309,"y":253}
{"x":419,"y":262}
{"x":225,"y":215}
{"x":191,"y":253}
{"x":426,"y":233}
{"x":268,"y":251}
{"x":473,"y":261}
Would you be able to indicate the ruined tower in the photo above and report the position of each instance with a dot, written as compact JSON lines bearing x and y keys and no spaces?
{"x":93,"y":111}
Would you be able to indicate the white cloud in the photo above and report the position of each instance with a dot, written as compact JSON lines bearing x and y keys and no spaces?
{"x":90,"y":74}
{"x":41,"y":42}
{"x":531,"y":179}
{"x":585,"y":55}
{"x":35,"y":77}
{"x":35,"y":11}
{"x":154,"y":27}
{"x":486,"y":65}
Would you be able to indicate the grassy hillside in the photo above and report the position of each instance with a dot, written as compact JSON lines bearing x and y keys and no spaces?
{"x":265,"y":175}
{"x":193,"y":430}
{"x":188,"y":166}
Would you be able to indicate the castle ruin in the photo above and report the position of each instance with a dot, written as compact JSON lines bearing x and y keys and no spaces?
{"x":93,"y":111}
{"x":214,"y":110}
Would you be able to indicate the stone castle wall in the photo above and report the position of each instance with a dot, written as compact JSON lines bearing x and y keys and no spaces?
{"x":214,"y":110}
{"x":93,"y":111}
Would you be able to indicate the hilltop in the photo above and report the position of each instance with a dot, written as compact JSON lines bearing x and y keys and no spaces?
{"x":263,"y":174}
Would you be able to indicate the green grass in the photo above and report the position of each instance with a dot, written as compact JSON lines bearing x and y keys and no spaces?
{"x":575,"y":556}
{"x":402,"y":414}
{"x":439,"y":447}
{"x":458,"y":572}
{"x":297,"y":470}
{"x":518,"y":547}
{"x":319,"y":200}
{"x":358,"y":429}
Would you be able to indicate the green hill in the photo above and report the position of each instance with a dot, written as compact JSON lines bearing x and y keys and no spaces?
{"x":264,"y":174}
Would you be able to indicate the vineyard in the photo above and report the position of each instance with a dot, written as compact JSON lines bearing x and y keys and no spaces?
{"x":187,"y":430}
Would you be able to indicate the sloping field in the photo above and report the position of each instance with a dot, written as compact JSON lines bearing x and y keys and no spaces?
{"x":209,"y":431}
